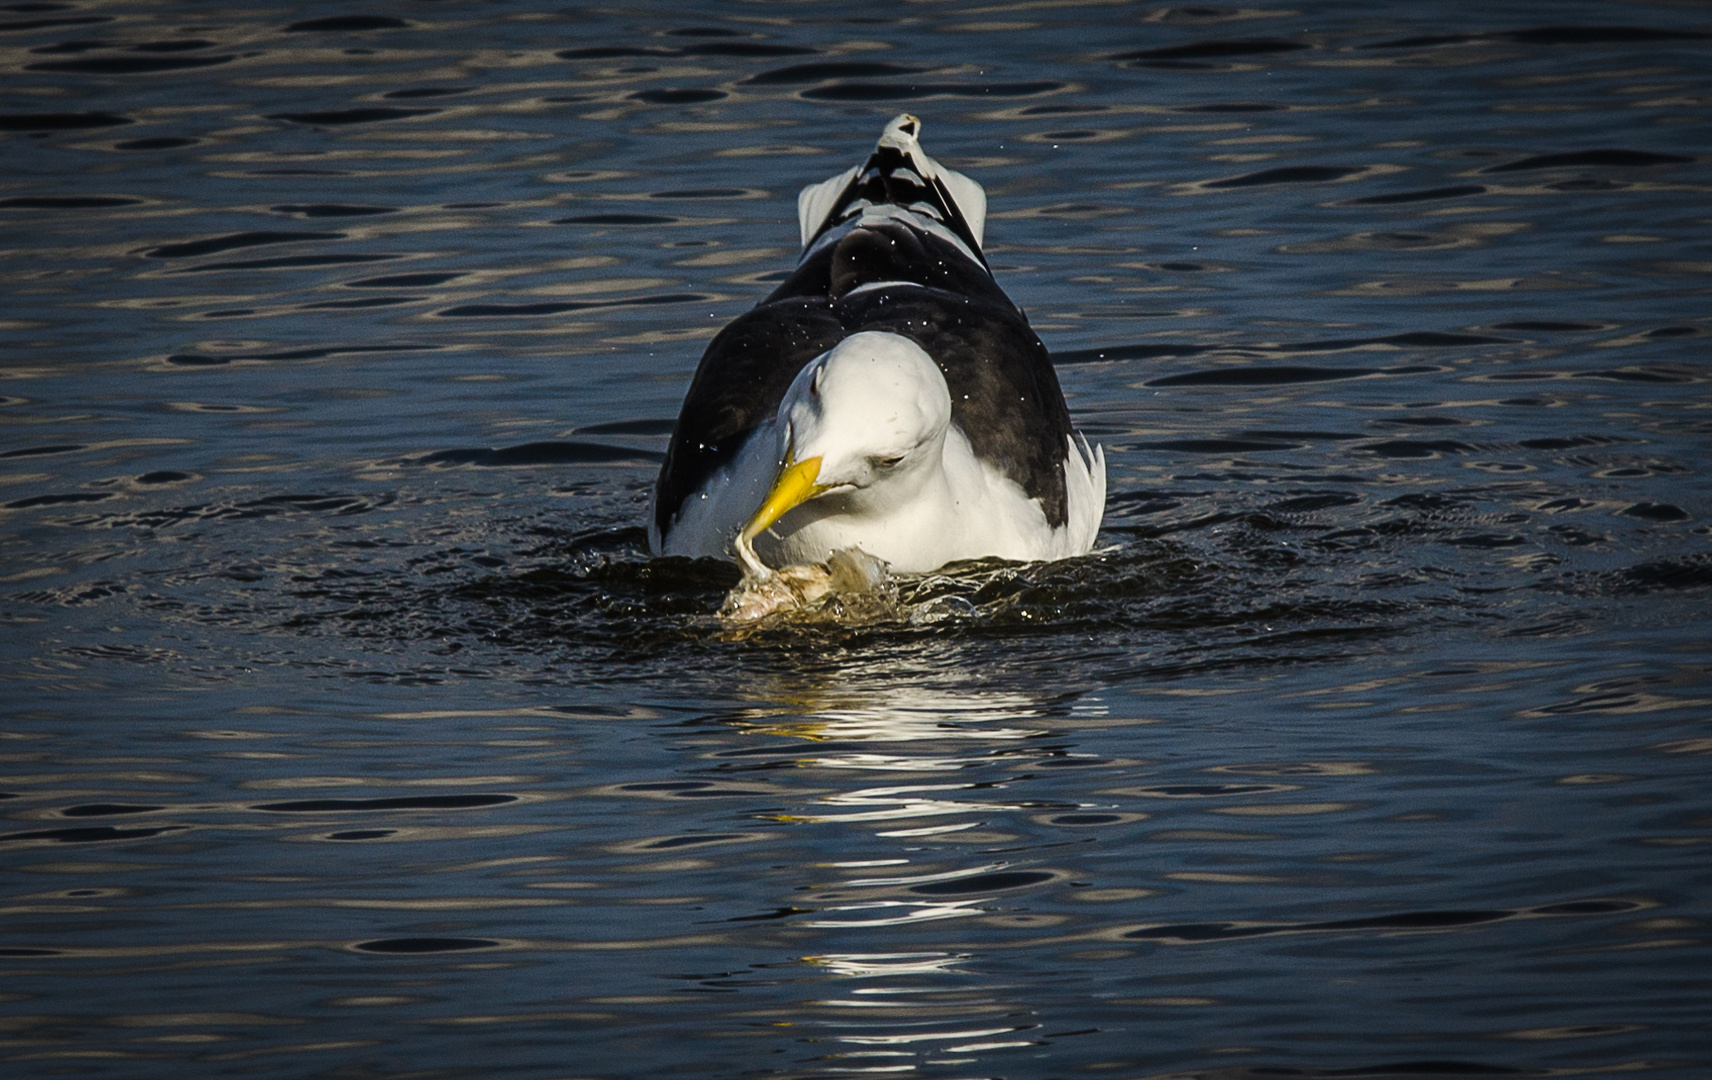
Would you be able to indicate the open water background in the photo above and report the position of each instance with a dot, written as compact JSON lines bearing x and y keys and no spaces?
{"x":349,"y":731}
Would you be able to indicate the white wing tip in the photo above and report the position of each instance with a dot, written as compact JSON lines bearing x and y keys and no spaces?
{"x":1085,"y":475}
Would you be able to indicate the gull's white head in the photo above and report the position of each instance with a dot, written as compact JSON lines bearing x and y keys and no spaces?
{"x":860,"y":427}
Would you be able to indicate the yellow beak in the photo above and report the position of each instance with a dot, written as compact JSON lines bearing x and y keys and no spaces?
{"x":796,"y":484}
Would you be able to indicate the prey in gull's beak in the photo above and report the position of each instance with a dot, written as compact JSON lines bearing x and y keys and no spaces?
{"x":796,"y":483}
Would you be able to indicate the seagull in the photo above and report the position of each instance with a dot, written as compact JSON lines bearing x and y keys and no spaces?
{"x":887,"y":396}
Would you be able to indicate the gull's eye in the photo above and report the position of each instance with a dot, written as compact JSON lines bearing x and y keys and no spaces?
{"x":888,"y":462}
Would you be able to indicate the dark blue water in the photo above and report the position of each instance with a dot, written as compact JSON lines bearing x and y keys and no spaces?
{"x":349,"y":731}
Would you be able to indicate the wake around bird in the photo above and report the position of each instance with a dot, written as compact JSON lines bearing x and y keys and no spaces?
{"x":887,"y":397}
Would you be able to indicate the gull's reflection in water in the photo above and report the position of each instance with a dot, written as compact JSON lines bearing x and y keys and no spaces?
{"x":897,"y":1017}
{"x":919,"y":778}
{"x":906,"y":713}
{"x":906,"y":729}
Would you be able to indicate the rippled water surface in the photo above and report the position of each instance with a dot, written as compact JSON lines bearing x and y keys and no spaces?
{"x":350,"y":732}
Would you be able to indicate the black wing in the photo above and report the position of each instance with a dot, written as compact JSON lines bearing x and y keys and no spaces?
{"x":742,"y":377}
{"x":889,"y":252}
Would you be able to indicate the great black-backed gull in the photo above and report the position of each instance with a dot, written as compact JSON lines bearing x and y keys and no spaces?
{"x":888,"y":396}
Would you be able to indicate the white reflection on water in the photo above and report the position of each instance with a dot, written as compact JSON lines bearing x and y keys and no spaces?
{"x":905,"y":1024}
{"x":899,"y":802}
{"x":894,"y":763}
{"x":948,"y":875}
{"x":880,"y":965}
{"x":899,"y":711}
{"x":902,"y":912}
{"x":902,"y":713}
{"x":926,"y":1036}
